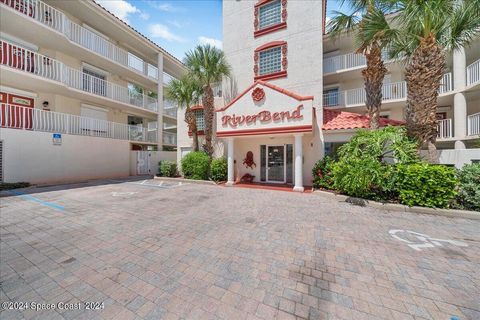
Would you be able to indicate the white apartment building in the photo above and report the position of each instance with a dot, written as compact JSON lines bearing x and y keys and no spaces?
{"x":293,"y":98}
{"x":81,"y":94}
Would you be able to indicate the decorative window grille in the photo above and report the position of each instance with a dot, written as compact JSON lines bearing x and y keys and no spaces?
{"x":270,"y":14}
{"x":200,"y":120}
{"x":270,"y":61}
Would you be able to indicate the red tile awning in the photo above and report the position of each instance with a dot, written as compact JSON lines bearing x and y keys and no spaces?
{"x":341,"y":120}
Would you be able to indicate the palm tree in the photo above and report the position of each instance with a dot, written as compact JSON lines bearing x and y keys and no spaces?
{"x":365,"y":14}
{"x":208,"y":65}
{"x":185,"y":92}
{"x":427,"y":29}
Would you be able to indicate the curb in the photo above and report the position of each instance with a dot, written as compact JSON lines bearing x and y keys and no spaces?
{"x":453,"y":213}
{"x":206,"y":182}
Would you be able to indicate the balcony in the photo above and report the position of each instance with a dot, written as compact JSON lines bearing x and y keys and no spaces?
{"x":169,"y":138}
{"x":347,"y":61}
{"x":444,"y":129}
{"x":58,"y":21}
{"x":396,"y":91}
{"x":22,"y":59}
{"x":473,"y":73}
{"x":473,"y":124}
{"x":48,"y":121}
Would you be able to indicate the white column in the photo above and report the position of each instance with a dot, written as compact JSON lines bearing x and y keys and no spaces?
{"x":298,"y":163}
{"x":459,"y":100}
{"x":230,"y":162}
{"x":160,"y":102}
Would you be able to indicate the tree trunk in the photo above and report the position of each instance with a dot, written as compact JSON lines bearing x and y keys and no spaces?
{"x":209,"y":115}
{"x":191,"y":121}
{"x":423,"y":75}
{"x":373,"y":77}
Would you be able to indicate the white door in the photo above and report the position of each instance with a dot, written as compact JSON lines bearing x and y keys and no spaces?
{"x":143,"y":162}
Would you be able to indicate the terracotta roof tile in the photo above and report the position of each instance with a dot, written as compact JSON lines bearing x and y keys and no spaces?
{"x":341,"y":120}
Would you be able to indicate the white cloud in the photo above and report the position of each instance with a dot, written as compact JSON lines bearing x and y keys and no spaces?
{"x":177,"y":24}
{"x":161,"y":31}
{"x":211,"y":41}
{"x":165,"y":6}
{"x":122,"y":9}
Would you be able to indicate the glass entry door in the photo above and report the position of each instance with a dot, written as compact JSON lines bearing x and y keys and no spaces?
{"x":276,"y":164}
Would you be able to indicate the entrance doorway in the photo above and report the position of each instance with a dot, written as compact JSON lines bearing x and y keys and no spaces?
{"x":276,"y":164}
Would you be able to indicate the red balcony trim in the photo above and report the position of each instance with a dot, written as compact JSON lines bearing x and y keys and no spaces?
{"x":270,"y":76}
{"x":270,"y":29}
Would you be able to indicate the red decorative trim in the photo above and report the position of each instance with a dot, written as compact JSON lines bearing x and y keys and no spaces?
{"x":306,"y":128}
{"x":271,"y":86}
{"x":256,"y":21}
{"x":270,"y":45}
{"x":258,"y":94}
{"x":270,"y":76}
{"x":199,"y":133}
{"x":270,"y":29}
{"x":256,"y":59}
{"x":198,"y":107}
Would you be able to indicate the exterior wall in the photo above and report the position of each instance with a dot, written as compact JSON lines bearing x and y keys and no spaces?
{"x":457,"y":157}
{"x":304,"y":24}
{"x":32,"y":157}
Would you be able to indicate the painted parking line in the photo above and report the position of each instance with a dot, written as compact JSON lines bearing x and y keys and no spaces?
{"x":422,"y":241}
{"x":152,"y":184}
{"x":33,"y":199}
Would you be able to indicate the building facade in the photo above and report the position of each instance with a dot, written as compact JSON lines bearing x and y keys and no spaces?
{"x":80,"y":90}
{"x":293,"y":98}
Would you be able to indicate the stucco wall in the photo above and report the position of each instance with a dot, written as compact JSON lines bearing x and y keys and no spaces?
{"x":32,"y":157}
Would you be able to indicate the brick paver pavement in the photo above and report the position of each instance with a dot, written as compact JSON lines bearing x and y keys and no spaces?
{"x":208,"y":252}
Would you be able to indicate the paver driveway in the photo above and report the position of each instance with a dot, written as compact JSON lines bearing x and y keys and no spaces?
{"x":196,"y":251}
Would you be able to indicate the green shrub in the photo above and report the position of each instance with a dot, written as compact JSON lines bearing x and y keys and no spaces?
{"x":426,"y":185}
{"x":219,"y":169}
{"x":195,"y":165}
{"x":168,"y":168}
{"x":365,"y":167}
{"x":469,"y":187}
{"x":322,"y":173}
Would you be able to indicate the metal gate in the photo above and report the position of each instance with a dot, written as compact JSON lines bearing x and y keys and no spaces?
{"x":143,"y":162}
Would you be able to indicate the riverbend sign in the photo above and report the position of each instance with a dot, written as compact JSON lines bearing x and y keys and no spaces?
{"x":264,"y":108}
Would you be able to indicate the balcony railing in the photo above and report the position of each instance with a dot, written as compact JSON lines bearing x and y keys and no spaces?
{"x":57,"y":20}
{"x":169,"y":138}
{"x":444,"y":129}
{"x":390,"y":92}
{"x":28,"y":61}
{"x":473,"y":73}
{"x":17,"y":117}
{"x":347,"y":61}
{"x":473,"y":124}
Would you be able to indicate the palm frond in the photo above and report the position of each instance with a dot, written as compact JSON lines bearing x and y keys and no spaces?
{"x":207,"y":64}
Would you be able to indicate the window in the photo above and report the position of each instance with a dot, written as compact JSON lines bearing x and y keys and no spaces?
{"x":271,"y":61}
{"x":200,"y":120}
{"x":270,"y":14}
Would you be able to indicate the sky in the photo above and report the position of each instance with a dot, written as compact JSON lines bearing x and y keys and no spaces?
{"x":179,"y":25}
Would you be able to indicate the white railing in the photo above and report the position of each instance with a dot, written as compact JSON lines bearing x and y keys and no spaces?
{"x":444,"y":129}
{"x":28,"y":61}
{"x":473,"y":73}
{"x":334,"y":99}
{"x":473,"y":124}
{"x":86,"y":38}
{"x":347,"y":61}
{"x":39,"y":11}
{"x":169,"y":138}
{"x":446,"y":83}
{"x":167,"y":78}
{"x":17,"y":117}
{"x":390,"y":92}
{"x":171,"y":112}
